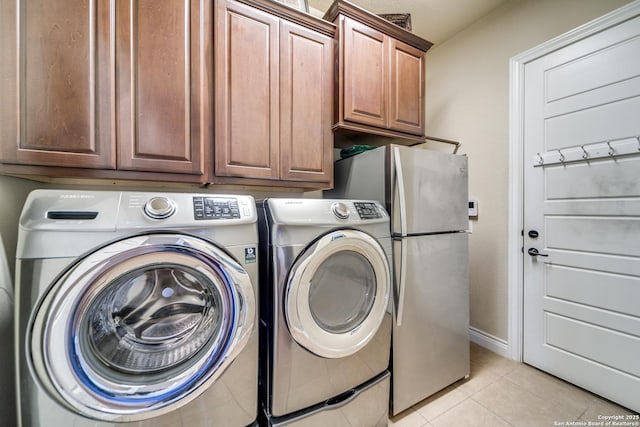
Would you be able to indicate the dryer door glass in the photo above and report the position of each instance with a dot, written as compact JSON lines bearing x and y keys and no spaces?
{"x":337,"y":293}
{"x":342,"y":291}
{"x":142,"y":326}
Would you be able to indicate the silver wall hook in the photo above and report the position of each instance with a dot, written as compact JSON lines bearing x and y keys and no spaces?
{"x":540,"y":160}
{"x":585,"y":155}
{"x":562,"y":158}
{"x":612,"y":152}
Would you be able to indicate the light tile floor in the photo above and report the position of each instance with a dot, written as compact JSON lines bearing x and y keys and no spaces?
{"x":501,"y":392}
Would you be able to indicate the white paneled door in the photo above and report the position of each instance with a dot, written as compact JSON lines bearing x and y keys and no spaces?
{"x":582,"y":213}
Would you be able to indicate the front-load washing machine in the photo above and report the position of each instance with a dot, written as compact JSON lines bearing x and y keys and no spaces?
{"x":324,"y":310}
{"x":136,"y":307}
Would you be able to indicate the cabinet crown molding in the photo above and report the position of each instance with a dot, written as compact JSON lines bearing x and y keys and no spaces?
{"x":343,"y":7}
{"x":293,"y":15}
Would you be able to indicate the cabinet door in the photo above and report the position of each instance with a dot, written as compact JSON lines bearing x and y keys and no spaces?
{"x":54,"y":78}
{"x":247,"y":92}
{"x":306,"y":79}
{"x":406,"y":92}
{"x":163,"y":84}
{"x":365,"y":56}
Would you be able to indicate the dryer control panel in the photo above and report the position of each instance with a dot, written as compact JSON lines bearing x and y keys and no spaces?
{"x":208,"y":207}
{"x":367,"y":210}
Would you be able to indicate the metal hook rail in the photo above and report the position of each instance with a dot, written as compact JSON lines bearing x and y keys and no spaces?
{"x":612,"y":149}
{"x":456,"y":144}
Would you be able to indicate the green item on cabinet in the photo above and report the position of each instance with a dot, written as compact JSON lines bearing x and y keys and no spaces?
{"x":354,"y":149}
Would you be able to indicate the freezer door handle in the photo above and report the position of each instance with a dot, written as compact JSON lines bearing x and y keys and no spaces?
{"x":400,"y":190}
{"x":401,"y":281}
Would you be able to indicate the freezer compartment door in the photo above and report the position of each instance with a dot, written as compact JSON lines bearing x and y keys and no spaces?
{"x":430,"y":191}
{"x":431,"y":345}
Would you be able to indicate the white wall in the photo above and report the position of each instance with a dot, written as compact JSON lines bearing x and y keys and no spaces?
{"x":467,"y":96}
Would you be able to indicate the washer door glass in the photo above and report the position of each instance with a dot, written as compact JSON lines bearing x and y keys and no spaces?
{"x":337,"y":293}
{"x":143,"y":325}
{"x":151,"y":319}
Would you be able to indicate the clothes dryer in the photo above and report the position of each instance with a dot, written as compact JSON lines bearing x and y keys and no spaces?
{"x":325,"y":319}
{"x":136,"y":307}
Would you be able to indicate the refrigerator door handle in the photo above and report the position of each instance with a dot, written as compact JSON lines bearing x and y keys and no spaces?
{"x":401,"y":281}
{"x":400,"y":189}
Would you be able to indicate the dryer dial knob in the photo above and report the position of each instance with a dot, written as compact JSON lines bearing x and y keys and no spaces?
{"x":340,"y":210}
{"x":159,"y":207}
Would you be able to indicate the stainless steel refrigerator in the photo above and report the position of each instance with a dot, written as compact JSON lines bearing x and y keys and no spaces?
{"x":426,"y":193}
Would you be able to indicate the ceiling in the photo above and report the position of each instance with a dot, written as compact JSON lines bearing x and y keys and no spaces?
{"x":433,"y":20}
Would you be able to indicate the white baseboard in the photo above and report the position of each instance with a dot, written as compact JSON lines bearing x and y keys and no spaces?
{"x":489,"y":342}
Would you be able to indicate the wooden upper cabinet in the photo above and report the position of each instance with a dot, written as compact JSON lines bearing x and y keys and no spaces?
{"x":406,"y":88}
{"x":365,"y":74}
{"x":380,"y":86}
{"x":55,"y":83}
{"x":273,"y":95}
{"x":247,"y":92}
{"x":222,"y":91}
{"x":306,"y":83}
{"x":128,"y":90}
{"x":162,"y":82}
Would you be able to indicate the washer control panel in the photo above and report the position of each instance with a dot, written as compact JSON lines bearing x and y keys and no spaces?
{"x":367,"y":210}
{"x":207,"y":207}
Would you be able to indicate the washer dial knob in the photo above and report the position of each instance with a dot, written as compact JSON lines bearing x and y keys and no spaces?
{"x":340,"y":210}
{"x":159,"y":207}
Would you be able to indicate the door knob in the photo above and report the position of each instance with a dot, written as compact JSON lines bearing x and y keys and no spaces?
{"x":535,"y":252}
